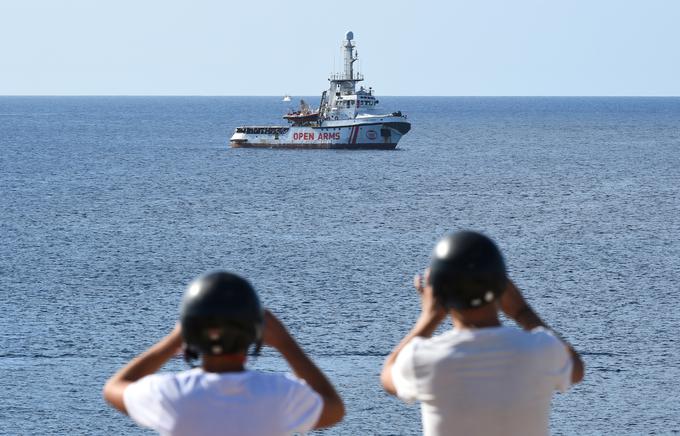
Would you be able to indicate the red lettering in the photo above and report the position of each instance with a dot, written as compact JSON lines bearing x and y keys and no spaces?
{"x":321,"y":136}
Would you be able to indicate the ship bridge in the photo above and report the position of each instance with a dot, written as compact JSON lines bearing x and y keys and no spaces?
{"x":342,"y":100}
{"x":342,"y":77}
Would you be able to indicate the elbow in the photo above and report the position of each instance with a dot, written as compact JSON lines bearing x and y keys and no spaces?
{"x":578,"y":371}
{"x":386,"y":381}
{"x":113,"y":393}
{"x":332,"y":413}
{"x":338,"y":411}
{"x":107,"y":392}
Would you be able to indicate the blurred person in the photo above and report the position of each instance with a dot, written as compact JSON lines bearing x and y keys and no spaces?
{"x":221,"y":319}
{"x":479,"y":378}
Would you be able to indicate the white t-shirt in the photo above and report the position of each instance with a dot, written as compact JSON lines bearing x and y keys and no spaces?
{"x":196,"y":402}
{"x":489,"y":381}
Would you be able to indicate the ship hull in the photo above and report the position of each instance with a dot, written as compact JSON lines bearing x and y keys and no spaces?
{"x":316,"y":146}
{"x":367,"y":133}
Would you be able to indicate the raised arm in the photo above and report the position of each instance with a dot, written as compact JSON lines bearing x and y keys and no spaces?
{"x":276,"y":336}
{"x":431,"y":316}
{"x":145,"y":364}
{"x":514,"y":305}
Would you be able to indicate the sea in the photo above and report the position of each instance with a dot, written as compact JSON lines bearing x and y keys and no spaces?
{"x":110,"y":206}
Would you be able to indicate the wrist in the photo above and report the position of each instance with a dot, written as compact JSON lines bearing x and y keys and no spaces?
{"x":427,"y":323}
{"x":168,"y":346}
{"x":430,"y":317}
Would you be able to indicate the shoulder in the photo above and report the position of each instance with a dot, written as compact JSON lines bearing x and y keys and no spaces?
{"x":274,"y":379}
{"x":538,"y":337}
{"x":281,"y":384}
{"x":415,"y":362}
{"x":159,"y":385}
{"x":298,"y":403}
{"x":415,"y":350}
{"x":422,"y":350}
{"x":153,"y":381}
{"x":549,"y":347}
{"x":420,"y":353}
{"x":539,"y":343}
{"x":149,"y":401}
{"x":545,"y":338}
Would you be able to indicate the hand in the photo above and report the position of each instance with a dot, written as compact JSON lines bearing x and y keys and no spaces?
{"x":429,"y":306}
{"x":175,"y":340}
{"x":512,"y":302}
{"x":275,"y":334}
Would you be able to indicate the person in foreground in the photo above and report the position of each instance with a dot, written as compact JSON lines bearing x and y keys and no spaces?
{"x":221,"y":318}
{"x":480,"y":378}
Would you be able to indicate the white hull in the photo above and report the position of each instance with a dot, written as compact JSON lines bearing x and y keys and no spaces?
{"x":368,"y":132}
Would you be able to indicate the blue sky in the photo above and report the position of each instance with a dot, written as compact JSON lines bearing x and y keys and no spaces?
{"x":473,"y":47}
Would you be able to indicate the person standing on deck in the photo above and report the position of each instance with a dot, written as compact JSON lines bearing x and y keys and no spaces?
{"x":480,"y":378}
{"x":221,"y":318}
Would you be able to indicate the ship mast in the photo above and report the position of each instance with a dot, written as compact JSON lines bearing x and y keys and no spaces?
{"x":350,"y":56}
{"x":342,"y":84}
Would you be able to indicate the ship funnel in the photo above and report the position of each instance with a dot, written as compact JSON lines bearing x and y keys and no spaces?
{"x":349,"y":35}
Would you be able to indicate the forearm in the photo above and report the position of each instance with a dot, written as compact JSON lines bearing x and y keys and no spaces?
{"x":149,"y":361}
{"x":146,"y":363}
{"x":528,"y":319}
{"x":514,"y":305}
{"x":334,"y":409}
{"x":304,"y":368}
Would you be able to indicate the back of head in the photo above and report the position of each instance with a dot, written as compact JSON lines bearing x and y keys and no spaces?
{"x":221,"y":314}
{"x":467,"y":271}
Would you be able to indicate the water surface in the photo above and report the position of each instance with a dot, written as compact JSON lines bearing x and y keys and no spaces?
{"x":111,"y":205}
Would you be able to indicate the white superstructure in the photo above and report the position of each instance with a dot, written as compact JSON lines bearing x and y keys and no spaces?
{"x":347,"y":117}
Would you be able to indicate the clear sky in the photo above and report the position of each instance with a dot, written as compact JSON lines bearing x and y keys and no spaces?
{"x":256,"y":47}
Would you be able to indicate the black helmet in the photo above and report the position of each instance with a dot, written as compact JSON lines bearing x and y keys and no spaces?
{"x":221,"y":314}
{"x":467,"y":271}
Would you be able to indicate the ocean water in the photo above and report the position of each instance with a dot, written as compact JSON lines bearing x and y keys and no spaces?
{"x":110,"y":206}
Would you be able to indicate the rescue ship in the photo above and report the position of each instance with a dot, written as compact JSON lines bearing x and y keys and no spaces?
{"x":347,"y":118}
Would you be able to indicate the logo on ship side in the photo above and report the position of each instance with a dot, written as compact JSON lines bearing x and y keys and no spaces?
{"x":309,"y":136}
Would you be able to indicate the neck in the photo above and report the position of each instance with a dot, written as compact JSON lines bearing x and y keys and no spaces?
{"x":224,"y":363}
{"x":485,"y":316}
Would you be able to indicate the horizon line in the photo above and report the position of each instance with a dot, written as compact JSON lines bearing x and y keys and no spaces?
{"x":314,"y":96}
